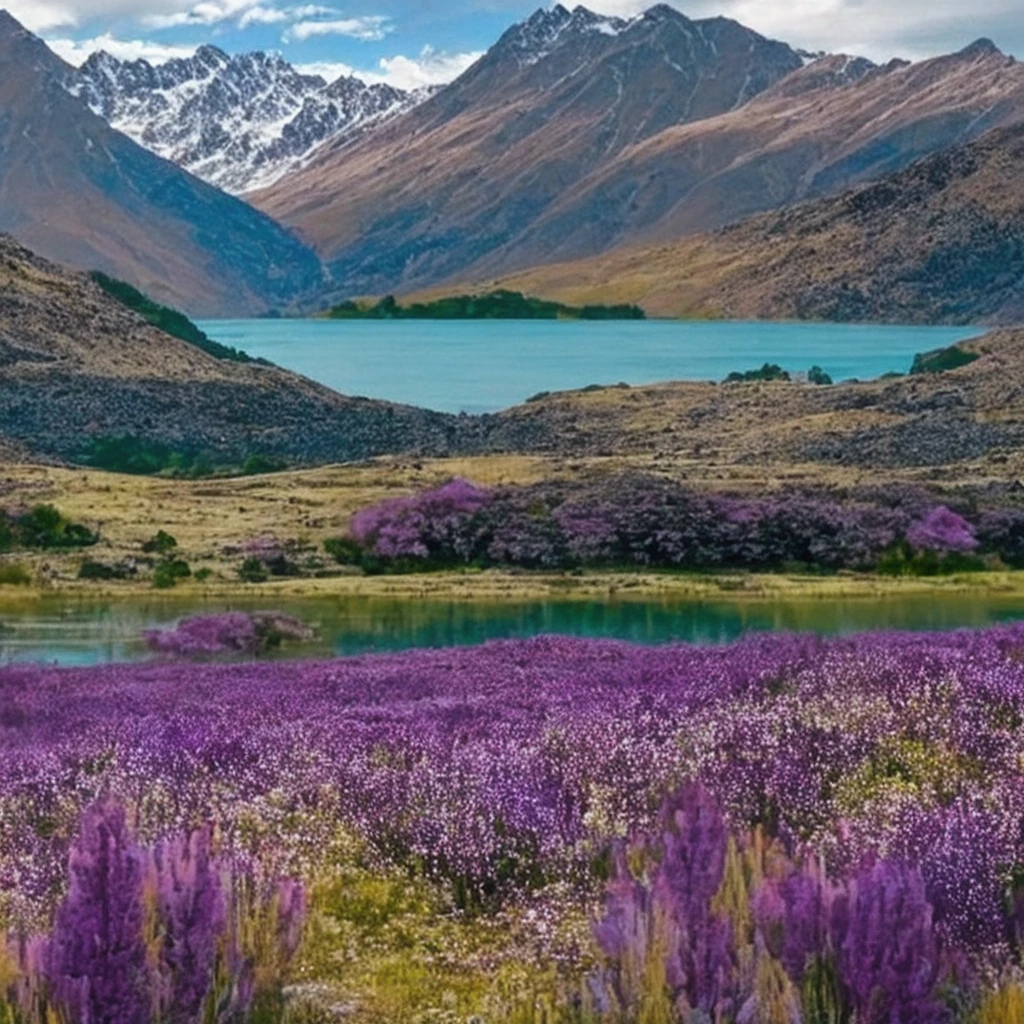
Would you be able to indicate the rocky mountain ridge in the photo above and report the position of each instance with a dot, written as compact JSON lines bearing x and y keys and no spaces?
{"x":238,"y":122}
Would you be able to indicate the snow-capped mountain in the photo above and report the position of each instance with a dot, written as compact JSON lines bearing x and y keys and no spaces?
{"x":238,"y":122}
{"x":539,"y":36}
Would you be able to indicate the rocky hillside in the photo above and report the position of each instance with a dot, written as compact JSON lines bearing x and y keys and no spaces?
{"x":941,"y":242}
{"x":77,"y":368}
{"x":935,"y":428}
{"x":238,"y":122}
{"x":75,"y":190}
{"x":468,"y":175}
{"x":577,"y":135}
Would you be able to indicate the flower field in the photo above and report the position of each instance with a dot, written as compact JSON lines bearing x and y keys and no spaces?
{"x":785,"y":829}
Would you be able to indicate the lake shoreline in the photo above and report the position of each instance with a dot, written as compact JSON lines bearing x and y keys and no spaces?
{"x":496,"y":587}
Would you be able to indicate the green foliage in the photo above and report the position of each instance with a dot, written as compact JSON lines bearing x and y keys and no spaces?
{"x":943,"y":360}
{"x":497,"y":305}
{"x":42,"y":527}
{"x":258,"y":465}
{"x":14,"y":574}
{"x":344,"y":550}
{"x":253,"y":571}
{"x":160,"y":544}
{"x":169,"y":572}
{"x":902,"y":560}
{"x":202,"y":575}
{"x":816,"y":375}
{"x":139,"y":456}
{"x":170,"y":321}
{"x":93,"y":570}
{"x":769,"y":372}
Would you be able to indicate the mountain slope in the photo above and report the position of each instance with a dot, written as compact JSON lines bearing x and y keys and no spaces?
{"x":463,"y":175}
{"x":74,"y":189}
{"x":77,"y":367}
{"x":578,"y":135}
{"x":237,"y":122}
{"x":940,"y":242}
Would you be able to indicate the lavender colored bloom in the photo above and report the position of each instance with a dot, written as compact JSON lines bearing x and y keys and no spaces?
{"x":96,"y":962}
{"x":943,"y":532}
{"x":227,"y":633}
{"x":889,"y":957}
{"x":192,"y":919}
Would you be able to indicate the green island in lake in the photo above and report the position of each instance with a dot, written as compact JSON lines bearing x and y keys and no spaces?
{"x":497,"y":305}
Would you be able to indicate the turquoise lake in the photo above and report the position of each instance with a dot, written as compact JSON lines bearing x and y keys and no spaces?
{"x":484,"y":366}
{"x":69,"y":632}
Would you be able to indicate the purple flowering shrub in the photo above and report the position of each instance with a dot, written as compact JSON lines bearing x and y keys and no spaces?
{"x":720,"y":928}
{"x":227,"y":633}
{"x":636,"y":520}
{"x":154,"y":935}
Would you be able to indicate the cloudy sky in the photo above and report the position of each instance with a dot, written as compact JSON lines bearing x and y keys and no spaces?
{"x":416,"y":42}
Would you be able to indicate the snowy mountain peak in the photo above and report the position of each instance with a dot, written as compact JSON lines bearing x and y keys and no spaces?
{"x":239,"y":122}
{"x":548,"y":28}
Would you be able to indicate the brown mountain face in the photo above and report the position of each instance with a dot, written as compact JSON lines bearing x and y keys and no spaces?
{"x":940,"y":242}
{"x":615,"y":134}
{"x":75,"y":190}
{"x":465,"y":176}
{"x":77,"y":367}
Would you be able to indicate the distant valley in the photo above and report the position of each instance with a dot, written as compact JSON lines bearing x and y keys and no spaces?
{"x":691,"y":166}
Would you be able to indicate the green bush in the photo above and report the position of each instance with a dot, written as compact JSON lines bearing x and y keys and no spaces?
{"x":43,"y":526}
{"x":768,"y":372}
{"x":344,"y":550}
{"x":93,"y":570}
{"x":816,"y":375}
{"x":169,"y":572}
{"x":253,"y":571}
{"x":160,"y":544}
{"x":257,"y":465}
{"x":902,"y":560}
{"x":14,"y":574}
{"x":943,"y":360}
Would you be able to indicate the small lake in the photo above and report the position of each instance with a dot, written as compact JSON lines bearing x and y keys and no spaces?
{"x":77,"y":633}
{"x":483,"y":366}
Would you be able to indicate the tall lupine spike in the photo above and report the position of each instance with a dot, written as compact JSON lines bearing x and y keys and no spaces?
{"x":192,"y":919}
{"x":889,"y":958}
{"x":291,"y":916}
{"x":699,"y":954}
{"x":96,"y":963}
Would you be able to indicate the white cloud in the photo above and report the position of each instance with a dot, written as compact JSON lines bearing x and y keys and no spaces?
{"x":77,"y":51}
{"x":368,"y":29}
{"x":875,"y":28}
{"x":329,"y":70}
{"x":262,"y":16}
{"x":431,"y":67}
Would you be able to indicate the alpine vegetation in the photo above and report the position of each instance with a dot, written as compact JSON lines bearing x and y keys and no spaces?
{"x":787,"y":829}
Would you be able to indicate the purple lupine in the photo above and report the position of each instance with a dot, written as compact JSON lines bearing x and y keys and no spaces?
{"x":694,"y":840}
{"x":793,"y":915}
{"x":96,"y":961}
{"x":889,"y":958}
{"x":191,"y":913}
{"x":291,"y":915}
{"x":944,"y":532}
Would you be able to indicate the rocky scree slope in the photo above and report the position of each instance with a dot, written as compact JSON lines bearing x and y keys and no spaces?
{"x":940,"y":242}
{"x":74,"y":189}
{"x":76,"y":366}
{"x":238,"y":122}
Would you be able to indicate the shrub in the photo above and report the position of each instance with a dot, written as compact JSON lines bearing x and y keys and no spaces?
{"x":344,"y":550}
{"x":160,"y":544}
{"x":169,"y":572}
{"x":816,"y":375}
{"x":943,"y":360}
{"x":258,"y":465}
{"x":14,"y":574}
{"x":42,"y":526}
{"x":228,"y":633}
{"x":253,"y":571}
{"x":93,"y":570}
{"x":768,"y":372}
